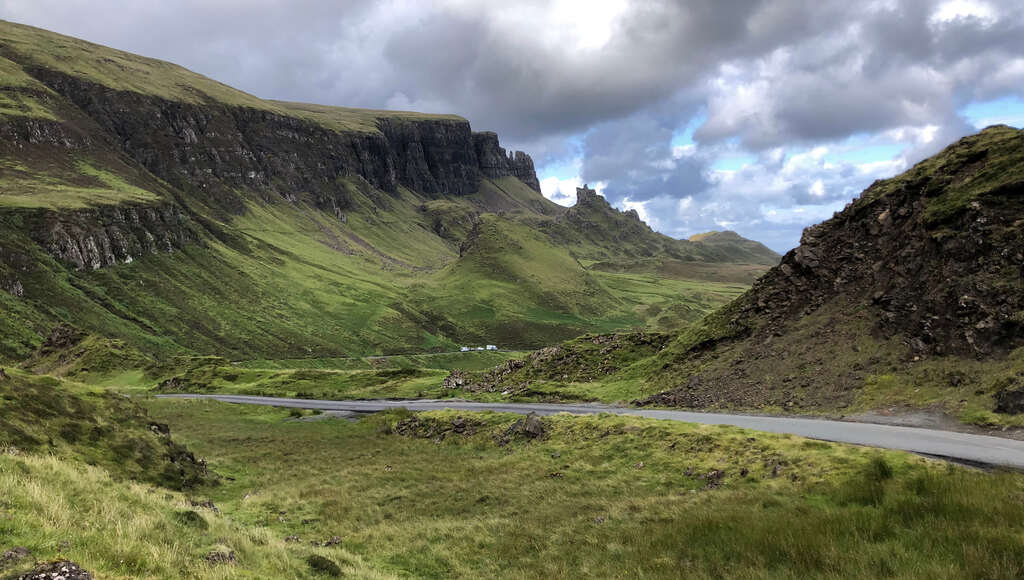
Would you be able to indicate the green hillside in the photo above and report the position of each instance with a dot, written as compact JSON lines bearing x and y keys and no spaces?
{"x":254,"y":229}
{"x":161,"y":232}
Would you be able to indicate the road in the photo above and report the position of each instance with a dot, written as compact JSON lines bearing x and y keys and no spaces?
{"x":963,"y":447}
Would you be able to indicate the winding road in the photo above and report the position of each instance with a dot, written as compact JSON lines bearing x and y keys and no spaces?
{"x":964,"y":447}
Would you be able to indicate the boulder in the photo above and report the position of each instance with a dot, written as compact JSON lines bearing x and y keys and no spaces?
{"x":530,"y":427}
{"x":1009,"y":398}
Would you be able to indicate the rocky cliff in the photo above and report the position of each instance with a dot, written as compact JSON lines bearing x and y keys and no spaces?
{"x":219,"y":149}
{"x":109,"y":235}
{"x":495,"y":162}
{"x":219,"y":154}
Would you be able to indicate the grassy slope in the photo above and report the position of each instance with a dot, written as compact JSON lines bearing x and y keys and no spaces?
{"x":738,"y":247}
{"x":596,"y":232}
{"x":117,"y":529}
{"x":315,"y":286}
{"x":832,"y":360}
{"x":36,"y":48}
{"x":472,"y":360}
{"x":384,"y":281}
{"x":602,"y":496}
{"x":511,"y":275}
{"x":80,"y":424}
{"x":20,"y":93}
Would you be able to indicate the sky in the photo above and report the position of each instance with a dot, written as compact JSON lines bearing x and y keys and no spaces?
{"x":763,"y":117}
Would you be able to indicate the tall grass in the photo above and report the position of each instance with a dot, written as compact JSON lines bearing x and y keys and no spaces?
{"x":606,"y":497}
{"x":59,"y":508}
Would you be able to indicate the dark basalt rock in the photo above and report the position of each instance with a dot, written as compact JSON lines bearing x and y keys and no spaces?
{"x":529,"y":427}
{"x":945,"y":287}
{"x":221,"y":556}
{"x":214,"y":149}
{"x":930,"y":260}
{"x":495,"y":162}
{"x":91,"y":239}
{"x":218,"y":154}
{"x":59,"y":570}
{"x":323,"y":566}
{"x":1009,"y":398}
{"x":14,"y":555}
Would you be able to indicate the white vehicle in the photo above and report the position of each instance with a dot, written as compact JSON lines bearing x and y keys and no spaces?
{"x":491,"y":347}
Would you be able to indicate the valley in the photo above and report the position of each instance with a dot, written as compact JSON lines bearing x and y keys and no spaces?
{"x":169,"y":245}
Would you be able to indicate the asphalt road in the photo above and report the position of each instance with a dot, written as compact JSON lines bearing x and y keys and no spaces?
{"x":963,"y":447}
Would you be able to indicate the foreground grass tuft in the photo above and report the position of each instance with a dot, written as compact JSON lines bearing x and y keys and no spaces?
{"x":58,"y":508}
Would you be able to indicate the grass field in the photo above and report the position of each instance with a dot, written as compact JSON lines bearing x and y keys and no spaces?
{"x":115,"y":529}
{"x":466,"y":495}
{"x":602,"y":496}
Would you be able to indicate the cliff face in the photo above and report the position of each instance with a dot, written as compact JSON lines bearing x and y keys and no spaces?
{"x":218,"y":154}
{"x":494,"y":162}
{"x":96,"y":238}
{"x":219,"y":149}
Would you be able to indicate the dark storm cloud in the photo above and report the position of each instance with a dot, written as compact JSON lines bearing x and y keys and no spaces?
{"x":459,"y":57}
{"x":507,"y":69}
{"x":634,"y":158}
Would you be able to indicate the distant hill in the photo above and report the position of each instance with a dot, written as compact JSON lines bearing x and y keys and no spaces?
{"x":144,"y":203}
{"x":737,"y":246}
{"x":594,"y":230}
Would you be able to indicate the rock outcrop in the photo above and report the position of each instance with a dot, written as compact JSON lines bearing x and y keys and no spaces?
{"x":57,"y":570}
{"x":495,"y":162}
{"x":91,"y":239}
{"x":613,"y":235}
{"x":218,"y":149}
{"x":925,"y":265}
{"x":949,"y":281}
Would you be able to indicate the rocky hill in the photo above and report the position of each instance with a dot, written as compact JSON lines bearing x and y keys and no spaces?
{"x":920,"y":268}
{"x":735,"y":244}
{"x":142,"y":202}
{"x":594,"y":230}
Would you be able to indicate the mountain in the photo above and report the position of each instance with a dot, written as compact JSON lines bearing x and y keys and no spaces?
{"x":911,"y":297}
{"x":143,"y":203}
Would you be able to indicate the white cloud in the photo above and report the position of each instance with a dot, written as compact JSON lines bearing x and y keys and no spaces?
{"x":563,"y":191}
{"x":641,"y":210}
{"x":817,"y":189}
{"x":680,"y":151}
{"x":952,"y":10}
